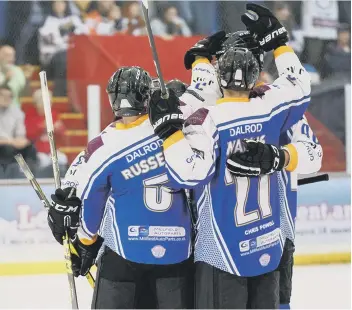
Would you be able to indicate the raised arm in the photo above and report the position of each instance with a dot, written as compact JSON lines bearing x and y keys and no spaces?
{"x":204,"y":87}
{"x":190,"y":150}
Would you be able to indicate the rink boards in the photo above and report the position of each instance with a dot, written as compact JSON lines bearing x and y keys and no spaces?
{"x":323,"y":228}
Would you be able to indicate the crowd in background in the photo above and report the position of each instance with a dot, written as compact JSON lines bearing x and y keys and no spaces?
{"x":37,"y":33}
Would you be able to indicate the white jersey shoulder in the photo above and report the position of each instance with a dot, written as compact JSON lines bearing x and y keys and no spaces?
{"x":115,"y":141}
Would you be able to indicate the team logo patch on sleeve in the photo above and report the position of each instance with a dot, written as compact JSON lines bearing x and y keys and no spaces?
{"x":197,"y":118}
{"x":92,"y":147}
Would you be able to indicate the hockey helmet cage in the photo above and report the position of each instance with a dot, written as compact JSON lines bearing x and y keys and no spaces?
{"x":237,"y":69}
{"x":177,"y":86}
{"x":129,"y":91}
{"x":243,"y":39}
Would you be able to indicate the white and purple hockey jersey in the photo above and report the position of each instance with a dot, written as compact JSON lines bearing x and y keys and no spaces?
{"x":309,"y":159}
{"x":239,"y":218}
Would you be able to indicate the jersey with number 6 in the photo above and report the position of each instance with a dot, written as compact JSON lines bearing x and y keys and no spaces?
{"x":122,"y":180}
{"x":239,"y":218}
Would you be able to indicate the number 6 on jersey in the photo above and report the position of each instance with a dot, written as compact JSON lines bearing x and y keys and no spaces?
{"x":156,"y":198}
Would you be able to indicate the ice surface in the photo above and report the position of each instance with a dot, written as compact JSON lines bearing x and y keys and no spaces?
{"x":323,"y":287}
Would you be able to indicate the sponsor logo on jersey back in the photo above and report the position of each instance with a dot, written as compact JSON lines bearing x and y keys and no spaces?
{"x":133,"y":231}
{"x":244,"y":246}
{"x":143,"y":231}
{"x":261,"y":242}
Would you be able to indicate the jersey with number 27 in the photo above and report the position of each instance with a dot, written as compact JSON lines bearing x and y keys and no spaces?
{"x":239,"y":217}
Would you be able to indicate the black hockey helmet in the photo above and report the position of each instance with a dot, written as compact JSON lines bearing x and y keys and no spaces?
{"x":243,"y":39}
{"x":177,"y":86}
{"x":238,"y":69}
{"x":129,"y":91}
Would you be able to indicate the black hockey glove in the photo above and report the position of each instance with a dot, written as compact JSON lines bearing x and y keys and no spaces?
{"x":64,"y":213}
{"x":259,"y":20}
{"x":86,"y":255}
{"x":165,"y":114}
{"x":206,"y":47}
{"x":257,"y":159}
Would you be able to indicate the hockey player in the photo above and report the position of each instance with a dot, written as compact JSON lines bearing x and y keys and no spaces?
{"x":238,"y":246}
{"x":122,"y":179}
{"x":146,"y":227}
{"x":309,"y":160}
{"x":309,"y":155}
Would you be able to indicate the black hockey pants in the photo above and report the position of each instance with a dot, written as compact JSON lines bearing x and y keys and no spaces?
{"x":217,"y":289}
{"x":286,"y":268}
{"x":121,"y":284}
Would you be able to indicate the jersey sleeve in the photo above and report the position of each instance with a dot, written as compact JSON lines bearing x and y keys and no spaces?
{"x":90,"y":177}
{"x":190,"y":155}
{"x":305,"y":151}
{"x":290,"y":92}
{"x":204,"y":88}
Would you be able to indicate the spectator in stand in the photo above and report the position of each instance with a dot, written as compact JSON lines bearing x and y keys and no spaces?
{"x":283,"y":13}
{"x":133,"y":22}
{"x":12,"y":136}
{"x":106,"y":20}
{"x":36,"y":133}
{"x":80,"y":8}
{"x":58,"y":26}
{"x":11,"y":75}
{"x":26,"y":29}
{"x":338,"y":55}
{"x":53,"y":43}
{"x":170,"y":25}
{"x":319,"y":24}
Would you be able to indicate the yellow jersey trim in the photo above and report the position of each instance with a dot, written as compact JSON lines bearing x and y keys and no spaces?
{"x":293,"y":162}
{"x":202,"y":60}
{"x":174,"y":138}
{"x":282,"y":50}
{"x":232,"y":99}
{"x":88,"y":241}
{"x":137,"y":122}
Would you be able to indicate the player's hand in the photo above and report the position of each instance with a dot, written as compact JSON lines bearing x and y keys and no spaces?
{"x":87,"y":254}
{"x":165,"y":114}
{"x":270,"y":33}
{"x":206,"y":47}
{"x":64,"y":213}
{"x":257,"y":159}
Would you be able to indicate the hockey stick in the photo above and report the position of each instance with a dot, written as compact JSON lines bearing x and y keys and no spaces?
{"x":318,"y":178}
{"x":56,"y":170}
{"x":30,"y":177}
{"x":164,"y":92}
{"x":37,"y":188}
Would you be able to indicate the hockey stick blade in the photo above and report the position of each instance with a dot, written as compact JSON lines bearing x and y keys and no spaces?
{"x":164,"y":92}
{"x":318,"y":178}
